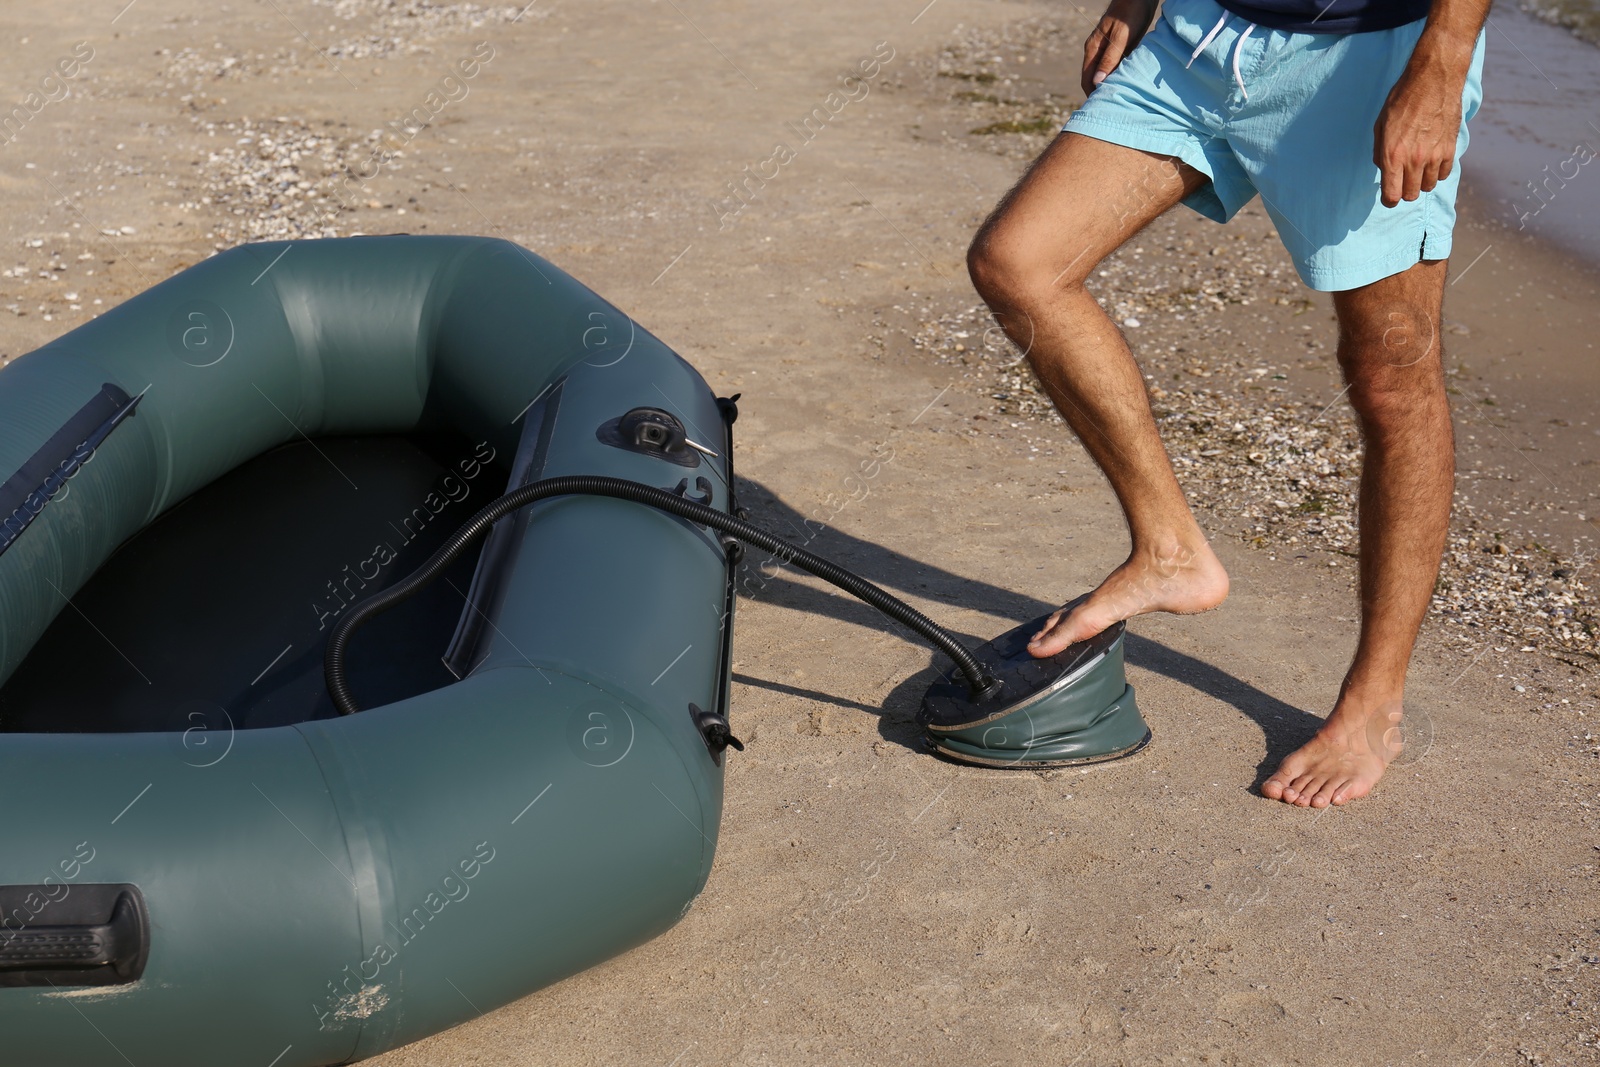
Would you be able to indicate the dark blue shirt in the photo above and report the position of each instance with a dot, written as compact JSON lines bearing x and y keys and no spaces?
{"x":1329,"y":16}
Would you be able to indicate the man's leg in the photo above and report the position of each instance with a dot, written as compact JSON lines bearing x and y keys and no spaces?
{"x":1389,"y":350}
{"x":1079,"y":202}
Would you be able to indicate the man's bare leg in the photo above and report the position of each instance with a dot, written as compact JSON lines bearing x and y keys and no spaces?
{"x":1081,"y":200}
{"x":1389,"y":352}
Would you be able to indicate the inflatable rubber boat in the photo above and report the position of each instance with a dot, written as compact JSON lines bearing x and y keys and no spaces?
{"x":205,"y":861}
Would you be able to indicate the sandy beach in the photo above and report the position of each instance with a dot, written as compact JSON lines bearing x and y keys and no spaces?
{"x":870,"y":904}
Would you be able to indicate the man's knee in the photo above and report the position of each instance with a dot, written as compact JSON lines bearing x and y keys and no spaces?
{"x":1384,"y":404}
{"x":1013,"y":268}
{"x":1389,"y":338}
{"x":1395,"y":395}
{"x":993,"y":265}
{"x":1392,"y":358}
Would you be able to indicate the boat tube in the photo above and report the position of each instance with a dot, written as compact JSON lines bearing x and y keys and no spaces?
{"x":205,"y":862}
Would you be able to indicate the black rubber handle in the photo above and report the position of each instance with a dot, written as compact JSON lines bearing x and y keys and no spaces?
{"x":117,"y":945}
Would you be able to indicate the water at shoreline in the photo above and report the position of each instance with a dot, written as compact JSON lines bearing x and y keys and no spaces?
{"x":1582,"y":17}
{"x":1532,"y":161}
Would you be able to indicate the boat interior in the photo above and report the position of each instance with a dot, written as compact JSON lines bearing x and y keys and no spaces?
{"x":215,"y":616}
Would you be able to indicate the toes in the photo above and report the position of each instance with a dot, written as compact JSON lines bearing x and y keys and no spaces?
{"x":1354,"y":789}
{"x":1304,"y":783}
{"x":1281,"y":786}
{"x":1048,"y":642}
{"x":1305,"y":788}
{"x":1044,"y":631}
{"x":1327,"y":794}
{"x":1066,"y":630}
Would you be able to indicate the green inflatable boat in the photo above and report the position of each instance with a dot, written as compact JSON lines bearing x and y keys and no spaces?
{"x":205,"y":861}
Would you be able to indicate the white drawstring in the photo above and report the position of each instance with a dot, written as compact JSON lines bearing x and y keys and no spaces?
{"x":1238,"y":47}
{"x":1207,"y":39}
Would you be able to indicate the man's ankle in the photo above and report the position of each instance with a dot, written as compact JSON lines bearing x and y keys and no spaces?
{"x":1366,"y":696}
{"x":1178,"y":545}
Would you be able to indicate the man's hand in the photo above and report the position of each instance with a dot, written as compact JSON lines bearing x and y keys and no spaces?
{"x":1414,"y":139}
{"x":1118,"y":33}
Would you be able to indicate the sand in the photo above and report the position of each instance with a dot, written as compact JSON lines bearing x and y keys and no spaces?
{"x":869,"y":904}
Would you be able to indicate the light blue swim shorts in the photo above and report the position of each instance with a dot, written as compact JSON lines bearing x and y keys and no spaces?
{"x":1289,"y":116}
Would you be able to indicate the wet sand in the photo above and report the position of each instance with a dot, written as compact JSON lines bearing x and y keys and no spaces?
{"x":869,"y":904}
{"x":1535,"y":141}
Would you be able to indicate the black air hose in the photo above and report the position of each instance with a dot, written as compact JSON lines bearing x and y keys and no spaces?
{"x":622,"y":489}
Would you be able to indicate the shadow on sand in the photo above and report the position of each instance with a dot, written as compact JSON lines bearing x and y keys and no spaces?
{"x":1284,"y":726}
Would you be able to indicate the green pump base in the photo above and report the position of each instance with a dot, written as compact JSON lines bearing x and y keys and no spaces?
{"x":1071,"y":708}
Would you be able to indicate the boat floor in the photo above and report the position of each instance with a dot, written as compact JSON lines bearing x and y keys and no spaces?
{"x":217,"y":614}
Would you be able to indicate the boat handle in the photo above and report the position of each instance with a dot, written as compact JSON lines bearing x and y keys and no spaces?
{"x":116,"y":944}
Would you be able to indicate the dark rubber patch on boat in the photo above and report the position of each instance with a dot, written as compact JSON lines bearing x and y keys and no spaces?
{"x":24,"y":495}
{"x":499,"y":548}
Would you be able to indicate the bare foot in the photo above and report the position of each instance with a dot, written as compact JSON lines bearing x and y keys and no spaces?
{"x":1344,"y":760}
{"x":1184,"y":580}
